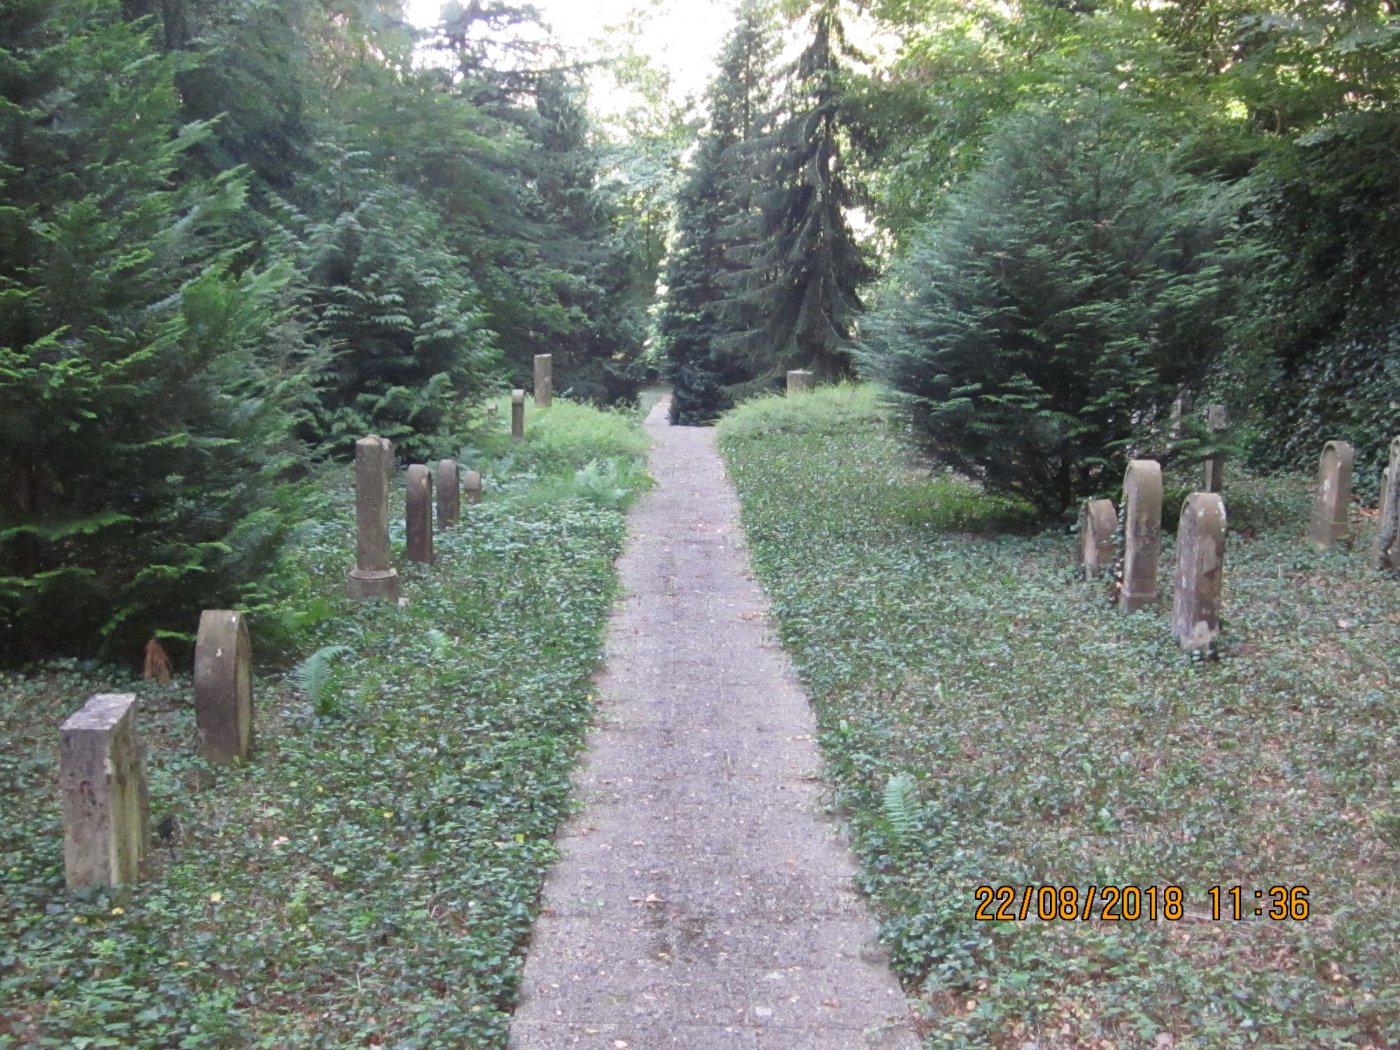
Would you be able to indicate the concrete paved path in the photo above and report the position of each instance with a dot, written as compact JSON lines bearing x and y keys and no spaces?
{"x":702,"y":901}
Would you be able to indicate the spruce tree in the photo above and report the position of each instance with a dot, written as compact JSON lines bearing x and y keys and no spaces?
{"x":714,"y":208}
{"x":797,"y":297}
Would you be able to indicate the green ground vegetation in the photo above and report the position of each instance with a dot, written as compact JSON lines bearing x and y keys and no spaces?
{"x":990,"y":720}
{"x":369,"y":877}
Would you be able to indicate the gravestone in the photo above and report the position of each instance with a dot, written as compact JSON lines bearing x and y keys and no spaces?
{"x":1388,"y":535}
{"x":1329,"y":516}
{"x":517,"y":414}
{"x":1142,"y":533}
{"x":418,"y":512}
{"x":223,"y":687}
{"x":1200,"y":565}
{"x":800,"y":381}
{"x":106,"y":822}
{"x":473,"y":486}
{"x":544,"y":380}
{"x":1097,"y":523}
{"x":373,"y":577}
{"x":1217,"y":419}
{"x":449,"y":493}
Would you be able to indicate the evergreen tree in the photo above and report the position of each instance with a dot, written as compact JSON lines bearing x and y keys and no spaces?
{"x":715,"y":205}
{"x":798,"y":294}
{"x":137,"y":427}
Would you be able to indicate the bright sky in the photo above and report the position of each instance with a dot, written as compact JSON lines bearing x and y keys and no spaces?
{"x":684,"y":36}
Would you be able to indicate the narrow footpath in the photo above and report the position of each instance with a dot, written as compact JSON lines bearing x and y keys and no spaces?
{"x":702,"y":900}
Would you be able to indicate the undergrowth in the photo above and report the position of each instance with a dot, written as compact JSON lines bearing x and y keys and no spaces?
{"x":368,"y":879}
{"x":990,"y":719}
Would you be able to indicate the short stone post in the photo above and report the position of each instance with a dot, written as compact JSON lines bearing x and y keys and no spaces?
{"x":106,"y":809}
{"x":800,"y":381}
{"x":517,"y":414}
{"x":223,"y":687}
{"x":544,"y":380}
{"x":473,"y":486}
{"x":1142,"y":533}
{"x":373,"y":576}
{"x":1388,"y":535}
{"x":449,"y":494}
{"x":1217,"y":419}
{"x":1200,"y":564}
{"x":1329,"y":516}
{"x":1097,"y":523}
{"x":418,"y":511}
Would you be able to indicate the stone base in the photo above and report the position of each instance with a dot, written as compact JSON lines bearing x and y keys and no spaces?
{"x":374,"y":583}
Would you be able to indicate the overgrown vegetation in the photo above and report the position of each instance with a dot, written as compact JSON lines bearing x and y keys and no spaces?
{"x":990,"y":720}
{"x":369,"y":878}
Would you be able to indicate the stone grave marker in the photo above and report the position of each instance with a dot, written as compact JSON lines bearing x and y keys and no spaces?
{"x":373,"y":576}
{"x":517,"y":414}
{"x":1098,"y":521}
{"x":223,"y":687}
{"x":544,"y":380}
{"x":1142,"y":533}
{"x":472,"y":484}
{"x":1200,"y":565}
{"x":1217,"y":419}
{"x":800,"y":381}
{"x":1388,"y":534}
{"x":449,"y":494}
{"x":418,"y":511}
{"x":106,"y":808}
{"x":1329,"y":516}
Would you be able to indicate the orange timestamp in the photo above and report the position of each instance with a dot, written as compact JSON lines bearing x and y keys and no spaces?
{"x":1051,"y":903}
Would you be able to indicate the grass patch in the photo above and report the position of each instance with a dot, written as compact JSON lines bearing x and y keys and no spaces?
{"x":370,"y":877}
{"x":990,"y":720}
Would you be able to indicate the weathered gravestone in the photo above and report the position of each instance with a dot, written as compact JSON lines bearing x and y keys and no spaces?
{"x":544,"y":380}
{"x":1388,"y":535}
{"x":1142,"y":533}
{"x":1200,"y":565}
{"x":106,"y":822}
{"x":449,"y":493}
{"x":1329,"y":516}
{"x":223,"y":687}
{"x":1097,"y":523}
{"x":517,"y":414}
{"x":418,"y":512}
{"x":373,"y":577}
{"x":1217,"y":419}
{"x":473,"y":486}
{"x":800,"y":381}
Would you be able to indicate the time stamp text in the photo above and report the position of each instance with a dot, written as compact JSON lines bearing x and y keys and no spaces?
{"x":1222,"y":903}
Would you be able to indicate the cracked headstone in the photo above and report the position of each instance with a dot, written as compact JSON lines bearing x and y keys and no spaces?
{"x":1142,"y":533}
{"x":223,"y":687}
{"x":106,"y":821}
{"x":1200,"y":566}
{"x":1329,"y":516}
{"x":373,"y":576}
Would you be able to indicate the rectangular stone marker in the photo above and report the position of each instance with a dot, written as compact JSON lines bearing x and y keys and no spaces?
{"x":106,"y":822}
{"x":449,"y":494}
{"x":1388,"y":535}
{"x":1217,"y":419}
{"x":800,"y":381}
{"x":1329,"y":516}
{"x":1142,"y":533}
{"x":1200,"y":569}
{"x":223,"y":687}
{"x":544,"y":380}
{"x":373,"y":576}
{"x":418,"y":512}
{"x":517,"y":414}
{"x":472,"y":484}
{"x":1098,"y":521}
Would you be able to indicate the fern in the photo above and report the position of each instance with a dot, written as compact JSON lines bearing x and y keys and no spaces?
{"x":313,"y":676}
{"x":901,"y":805}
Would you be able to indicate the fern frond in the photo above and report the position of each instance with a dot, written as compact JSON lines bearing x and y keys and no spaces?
{"x":312,"y":675}
{"x":900,"y":804}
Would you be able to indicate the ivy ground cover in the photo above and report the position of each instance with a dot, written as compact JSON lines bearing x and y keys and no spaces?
{"x":368,"y":879}
{"x":991,"y":721}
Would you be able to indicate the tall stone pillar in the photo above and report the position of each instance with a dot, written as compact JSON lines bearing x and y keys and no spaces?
{"x":449,"y":493}
{"x":418,"y":509}
{"x":1217,"y":419}
{"x":544,"y":380}
{"x":1388,"y":536}
{"x":517,"y":414}
{"x":373,"y":576}
{"x":223,"y":687}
